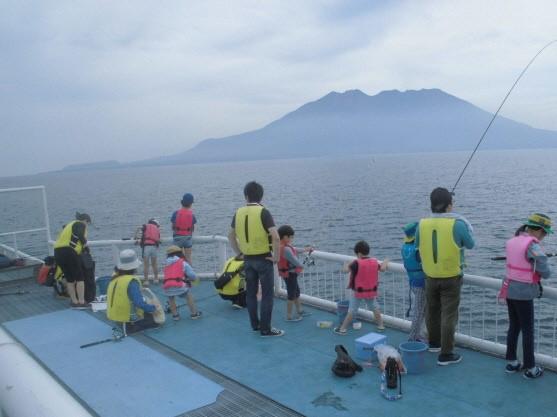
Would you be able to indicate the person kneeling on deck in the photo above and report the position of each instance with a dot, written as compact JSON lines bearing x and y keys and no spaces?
{"x":526,"y":265}
{"x":231,"y":285}
{"x":125,"y":303}
{"x":178,"y":275}
{"x":441,"y":240}
{"x":364,"y":280}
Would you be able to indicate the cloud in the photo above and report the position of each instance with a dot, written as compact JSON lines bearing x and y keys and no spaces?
{"x":89,"y":80}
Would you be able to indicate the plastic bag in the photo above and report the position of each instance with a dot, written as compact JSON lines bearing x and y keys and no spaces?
{"x":387,"y":351}
{"x":150,"y":298}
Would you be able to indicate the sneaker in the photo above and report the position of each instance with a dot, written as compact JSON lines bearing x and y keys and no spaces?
{"x":196,"y":315}
{"x":272,"y":332}
{"x":297,"y":318}
{"x":176,"y":317}
{"x":511,"y":369}
{"x":536,"y":373}
{"x":79,"y":306}
{"x":339,"y":331}
{"x":434,"y":348}
{"x":304,"y":313}
{"x":448,"y":358}
{"x":380,"y":328}
{"x":237,"y":306}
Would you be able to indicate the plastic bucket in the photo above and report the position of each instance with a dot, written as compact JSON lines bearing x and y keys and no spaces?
{"x":413,"y":356}
{"x":102,"y":284}
{"x":342,"y":310}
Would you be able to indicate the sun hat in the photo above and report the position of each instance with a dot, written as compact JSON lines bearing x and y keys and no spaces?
{"x":440,"y":198}
{"x":154,"y":221}
{"x":187,"y":199}
{"x":82,"y":217}
{"x":540,"y":220}
{"x":173,"y":249}
{"x":410,"y":231}
{"x":128,"y":260}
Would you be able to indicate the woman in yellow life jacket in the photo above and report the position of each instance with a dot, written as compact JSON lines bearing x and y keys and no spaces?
{"x":125,"y":304}
{"x":67,"y":250}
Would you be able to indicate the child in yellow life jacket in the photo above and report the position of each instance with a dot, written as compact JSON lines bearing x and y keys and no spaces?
{"x":289,"y":267}
{"x":178,"y":275}
{"x":364,"y":280}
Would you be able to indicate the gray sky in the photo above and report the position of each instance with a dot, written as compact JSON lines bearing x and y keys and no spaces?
{"x":84,"y":81}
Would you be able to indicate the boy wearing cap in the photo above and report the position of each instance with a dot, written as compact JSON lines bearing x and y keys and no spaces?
{"x":441,"y":239}
{"x":416,"y":280}
{"x":526,"y":265}
{"x":148,"y":237}
{"x":183,"y":223}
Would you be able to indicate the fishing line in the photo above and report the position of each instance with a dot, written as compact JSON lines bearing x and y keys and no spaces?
{"x":497,"y":112}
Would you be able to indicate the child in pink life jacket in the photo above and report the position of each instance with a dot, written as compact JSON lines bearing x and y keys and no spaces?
{"x":289,"y":267}
{"x":148,"y":237}
{"x":178,"y":275}
{"x":183,"y":224}
{"x":364,"y":280}
{"x":526,"y":265}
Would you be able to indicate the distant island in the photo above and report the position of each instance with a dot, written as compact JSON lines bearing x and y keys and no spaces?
{"x":353,"y":123}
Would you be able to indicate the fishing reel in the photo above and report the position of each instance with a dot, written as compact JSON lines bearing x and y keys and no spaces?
{"x":308,"y":259}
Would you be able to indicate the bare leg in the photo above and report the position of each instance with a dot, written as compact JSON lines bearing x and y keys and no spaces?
{"x":289,"y":305}
{"x":80,"y":289}
{"x":187,"y":255}
{"x":298,"y":305}
{"x":155,"y":269}
{"x":347,"y":321}
{"x":70,"y":287}
{"x":191,"y":303}
{"x":145,"y":269}
{"x":378,"y":318}
{"x":172,"y":303}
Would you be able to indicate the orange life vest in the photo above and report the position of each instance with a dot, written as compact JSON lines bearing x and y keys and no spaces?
{"x":365,"y":282}
{"x":183,"y":224}
{"x":284,"y":267}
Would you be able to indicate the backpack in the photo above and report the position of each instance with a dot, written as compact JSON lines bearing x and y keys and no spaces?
{"x":389,"y":379}
{"x":226,"y":276}
{"x":344,"y":366}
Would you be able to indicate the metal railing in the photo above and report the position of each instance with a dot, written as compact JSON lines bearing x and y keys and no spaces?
{"x":482,"y":324}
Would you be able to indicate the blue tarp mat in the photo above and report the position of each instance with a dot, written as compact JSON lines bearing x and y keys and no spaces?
{"x":115,"y":379}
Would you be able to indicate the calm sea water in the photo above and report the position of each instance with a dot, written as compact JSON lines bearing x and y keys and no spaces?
{"x":331,"y":203}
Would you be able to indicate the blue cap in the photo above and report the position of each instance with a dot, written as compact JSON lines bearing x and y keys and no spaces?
{"x":187,"y":199}
{"x":410,"y":231}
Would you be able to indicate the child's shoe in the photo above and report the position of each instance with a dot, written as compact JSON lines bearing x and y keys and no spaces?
{"x":339,"y":331}
{"x":304,"y":313}
{"x":297,"y":318}
{"x":511,"y":369}
{"x":533,"y":373}
{"x":176,"y":317}
{"x":196,"y":316}
{"x":380,"y":328}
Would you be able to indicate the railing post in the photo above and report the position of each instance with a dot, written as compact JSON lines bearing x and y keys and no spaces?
{"x":221,"y":251}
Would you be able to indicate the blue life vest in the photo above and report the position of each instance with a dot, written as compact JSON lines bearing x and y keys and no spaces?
{"x":416,"y":275}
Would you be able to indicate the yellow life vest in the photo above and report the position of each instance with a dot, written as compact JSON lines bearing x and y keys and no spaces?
{"x":443,"y":259}
{"x":237,"y":283}
{"x":119,"y":306}
{"x":253,"y":239}
{"x":67,"y":239}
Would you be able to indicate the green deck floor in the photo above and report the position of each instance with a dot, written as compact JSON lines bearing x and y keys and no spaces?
{"x":295,"y":369}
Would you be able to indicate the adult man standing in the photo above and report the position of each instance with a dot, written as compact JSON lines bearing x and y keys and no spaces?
{"x":251,"y":227}
{"x":441,"y":239}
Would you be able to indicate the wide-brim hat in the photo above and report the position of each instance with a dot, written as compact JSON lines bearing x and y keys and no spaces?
{"x":128,"y":260}
{"x":540,"y":220}
{"x":173,"y":249}
{"x":410,"y":231}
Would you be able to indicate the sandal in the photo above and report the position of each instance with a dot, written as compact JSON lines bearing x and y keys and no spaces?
{"x":176,"y":317}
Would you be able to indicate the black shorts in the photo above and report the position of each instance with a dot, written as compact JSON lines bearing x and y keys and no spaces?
{"x":292,"y":288}
{"x":70,"y":263}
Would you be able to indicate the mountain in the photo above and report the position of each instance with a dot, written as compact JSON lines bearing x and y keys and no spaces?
{"x":355,"y":123}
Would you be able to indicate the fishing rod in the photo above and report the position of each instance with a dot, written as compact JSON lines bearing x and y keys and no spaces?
{"x":497,"y":112}
{"x":504,"y":258}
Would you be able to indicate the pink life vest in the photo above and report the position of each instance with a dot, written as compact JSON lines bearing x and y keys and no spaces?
{"x":283,"y":265}
{"x":183,"y":224}
{"x":519,"y":267}
{"x":174,"y":276}
{"x":151,"y":235}
{"x":365,"y":282}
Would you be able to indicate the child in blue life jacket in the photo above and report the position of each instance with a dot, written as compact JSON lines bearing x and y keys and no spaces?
{"x":178,"y":275}
{"x":416,"y":279}
{"x":289,"y":267}
{"x":364,"y":280}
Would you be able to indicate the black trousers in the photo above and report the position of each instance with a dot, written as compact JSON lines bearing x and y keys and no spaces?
{"x":521,"y":319}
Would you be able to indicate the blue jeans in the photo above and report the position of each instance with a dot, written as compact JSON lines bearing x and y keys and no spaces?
{"x":256,"y":271}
